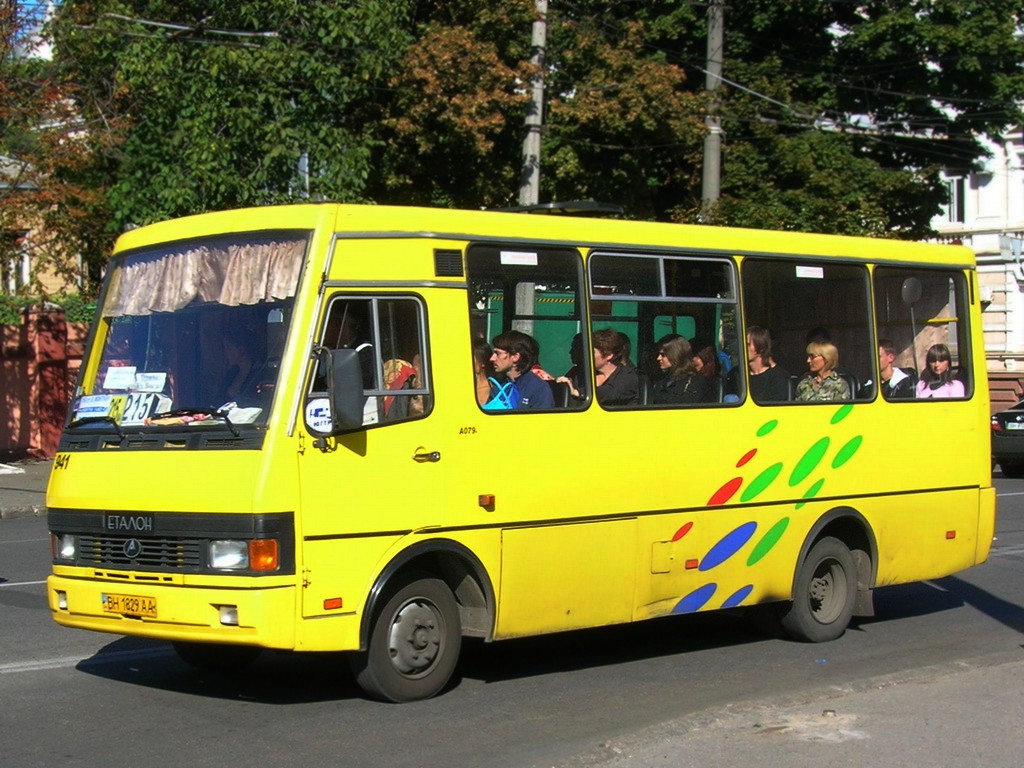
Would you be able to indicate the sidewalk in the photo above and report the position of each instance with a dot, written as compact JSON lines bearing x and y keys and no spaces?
{"x":952,"y":716}
{"x":23,"y":488}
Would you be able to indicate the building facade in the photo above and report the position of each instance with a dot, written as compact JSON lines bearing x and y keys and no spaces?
{"x":986,"y":212}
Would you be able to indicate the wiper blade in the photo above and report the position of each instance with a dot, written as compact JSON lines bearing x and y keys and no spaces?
{"x":87,"y":420}
{"x":185,"y":413}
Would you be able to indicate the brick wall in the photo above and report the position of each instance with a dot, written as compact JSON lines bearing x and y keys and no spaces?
{"x":39,"y":361}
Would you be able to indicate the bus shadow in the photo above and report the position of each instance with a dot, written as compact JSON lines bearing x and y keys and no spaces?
{"x":1009,"y":614}
{"x":274,"y":678}
{"x":293,"y":678}
{"x":950,"y":592}
{"x":605,"y":646}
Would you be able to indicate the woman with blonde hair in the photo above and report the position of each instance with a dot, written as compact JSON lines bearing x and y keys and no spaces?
{"x":821,"y":382}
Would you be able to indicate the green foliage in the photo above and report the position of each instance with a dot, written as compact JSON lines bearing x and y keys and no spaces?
{"x":77,"y":308}
{"x":837,"y":116}
{"x":218,"y":111}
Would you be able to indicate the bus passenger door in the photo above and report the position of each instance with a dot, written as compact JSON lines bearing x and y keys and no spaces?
{"x":362,"y":491}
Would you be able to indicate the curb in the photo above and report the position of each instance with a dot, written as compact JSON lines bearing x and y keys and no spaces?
{"x":33,"y":510}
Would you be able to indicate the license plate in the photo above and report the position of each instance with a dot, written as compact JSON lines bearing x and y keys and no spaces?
{"x":1014,"y":425}
{"x":130,"y":605}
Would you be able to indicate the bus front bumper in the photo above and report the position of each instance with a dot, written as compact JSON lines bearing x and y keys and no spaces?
{"x":262,"y":616}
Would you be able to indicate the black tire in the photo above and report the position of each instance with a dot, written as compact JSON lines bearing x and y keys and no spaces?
{"x":1014,"y":470}
{"x":215,"y":657}
{"x":823,"y":595}
{"x":414,"y":643}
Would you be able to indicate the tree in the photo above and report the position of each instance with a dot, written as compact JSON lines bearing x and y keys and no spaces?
{"x":245,"y":103}
{"x":41,"y":150}
{"x":838,"y":116}
{"x":451,"y":124}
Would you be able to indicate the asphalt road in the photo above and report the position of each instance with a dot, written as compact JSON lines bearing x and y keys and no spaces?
{"x":646,"y":694}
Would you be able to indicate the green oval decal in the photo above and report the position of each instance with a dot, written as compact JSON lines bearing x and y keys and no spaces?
{"x":809,"y":461}
{"x":761,"y":482}
{"x":767,"y":427}
{"x":769,"y":540}
{"x":846,"y":452}
{"x":842,"y":413}
{"x":811,"y":492}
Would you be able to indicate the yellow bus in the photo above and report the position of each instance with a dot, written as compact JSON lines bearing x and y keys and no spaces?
{"x":378,"y":430}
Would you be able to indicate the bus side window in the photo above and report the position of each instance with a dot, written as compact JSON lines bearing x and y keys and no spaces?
{"x":921,"y":317}
{"x":810,"y":311}
{"x":675,"y":319}
{"x":388,"y":334}
{"x":529,"y":299}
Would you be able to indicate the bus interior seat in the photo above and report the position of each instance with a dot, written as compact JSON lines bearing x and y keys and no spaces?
{"x":643,"y":388}
{"x":560,"y":391}
{"x":715,"y":390}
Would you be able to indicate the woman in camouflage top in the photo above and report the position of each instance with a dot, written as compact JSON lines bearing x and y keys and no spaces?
{"x":821,"y":382}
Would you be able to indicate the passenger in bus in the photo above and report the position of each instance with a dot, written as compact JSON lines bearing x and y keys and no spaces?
{"x":821,"y":382}
{"x":680,"y":383}
{"x":242,"y":375}
{"x":617,"y":383}
{"x":514,"y":355}
{"x":483,"y":371}
{"x":627,"y":348}
{"x":705,"y":359}
{"x":896,"y":384}
{"x":769,"y":382}
{"x":937,"y":379}
{"x":651,"y":361}
{"x":576,"y":374}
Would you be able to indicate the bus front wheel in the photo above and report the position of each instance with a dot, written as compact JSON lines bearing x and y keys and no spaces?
{"x":823,"y":594}
{"x":414,"y":643}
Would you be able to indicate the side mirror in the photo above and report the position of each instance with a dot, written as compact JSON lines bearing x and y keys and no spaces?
{"x":342,"y":409}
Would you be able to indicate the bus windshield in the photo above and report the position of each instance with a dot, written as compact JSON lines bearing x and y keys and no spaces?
{"x":192,"y":332}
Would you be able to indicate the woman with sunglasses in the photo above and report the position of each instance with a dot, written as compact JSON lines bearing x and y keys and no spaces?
{"x":821,"y":382}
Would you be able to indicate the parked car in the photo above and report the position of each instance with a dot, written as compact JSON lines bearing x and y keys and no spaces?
{"x":1008,"y":440}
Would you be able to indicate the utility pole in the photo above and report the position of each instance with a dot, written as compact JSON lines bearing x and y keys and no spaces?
{"x":713,"y":140}
{"x":529,"y":177}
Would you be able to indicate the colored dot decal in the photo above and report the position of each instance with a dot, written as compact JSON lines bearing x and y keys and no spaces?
{"x":728,"y":546}
{"x":811,"y":492}
{"x":842,"y":413}
{"x":683,"y":531}
{"x":809,"y":461}
{"x":846,"y":452}
{"x":769,"y":540}
{"x":747,"y":457}
{"x":737,"y":597}
{"x":696,"y":600}
{"x":761,"y":482}
{"x":726,"y":492}
{"x":767,"y":427}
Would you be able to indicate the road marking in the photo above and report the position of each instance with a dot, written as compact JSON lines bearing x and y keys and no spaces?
{"x":20,"y":583}
{"x":117,"y":657}
{"x":1015,"y":493}
{"x":997,"y":550}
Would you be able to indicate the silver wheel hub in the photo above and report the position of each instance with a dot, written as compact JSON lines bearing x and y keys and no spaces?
{"x":414,"y":641}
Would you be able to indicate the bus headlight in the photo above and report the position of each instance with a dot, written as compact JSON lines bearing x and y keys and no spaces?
{"x":237,"y":555}
{"x":63,"y":546}
{"x":229,"y":554}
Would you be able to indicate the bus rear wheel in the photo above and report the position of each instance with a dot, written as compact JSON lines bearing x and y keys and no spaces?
{"x":414,"y":643}
{"x":823,"y":595}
